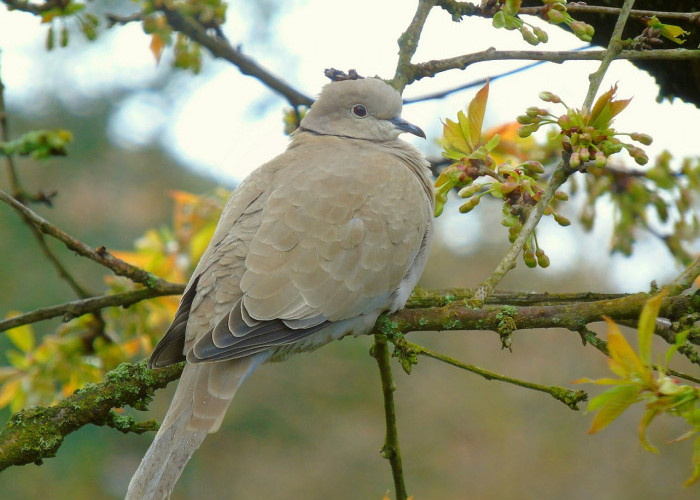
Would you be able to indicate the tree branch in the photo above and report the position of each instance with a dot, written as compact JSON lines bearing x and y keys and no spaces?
{"x":221,"y":48}
{"x":408,"y":43}
{"x":99,"y":255}
{"x":390,"y":450}
{"x":432,"y":68}
{"x":37,"y":433}
{"x":73,"y":309}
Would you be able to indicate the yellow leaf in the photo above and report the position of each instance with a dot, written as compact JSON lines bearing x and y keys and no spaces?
{"x":477,"y":108}
{"x":22,"y":336}
{"x":200,"y":240}
{"x":624,"y":361}
{"x":647,"y":326}
{"x":8,"y":392}
{"x":453,"y":133}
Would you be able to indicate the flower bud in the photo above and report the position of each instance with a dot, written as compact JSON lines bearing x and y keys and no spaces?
{"x":469,"y":205}
{"x":600,"y":159}
{"x":549,"y":97}
{"x":529,"y":258}
{"x":584,"y":154}
{"x":555,"y":16}
{"x":541,"y":34}
{"x":574,"y":160}
{"x":469,"y":191}
{"x":525,"y":119}
{"x":529,"y":36}
{"x":542,"y":258}
{"x":565,"y":122}
{"x":561,"y":220}
{"x":561,"y":195}
{"x":643,"y":138}
{"x":527,"y":130}
{"x":533,"y":167}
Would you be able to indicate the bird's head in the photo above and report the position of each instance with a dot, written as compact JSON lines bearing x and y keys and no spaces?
{"x":367,"y":108}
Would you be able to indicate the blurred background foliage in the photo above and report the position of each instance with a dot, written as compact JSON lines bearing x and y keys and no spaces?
{"x":311,"y":427}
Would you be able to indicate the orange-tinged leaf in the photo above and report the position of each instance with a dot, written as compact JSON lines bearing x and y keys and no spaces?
{"x":476,"y":111}
{"x":616,"y":400}
{"x":624,"y":361}
{"x":132,"y":347}
{"x":601,"y":102}
{"x":183,"y":197}
{"x":157,"y":46}
{"x":22,"y":337}
{"x":8,"y":391}
{"x":647,"y":326}
{"x":139,"y":259}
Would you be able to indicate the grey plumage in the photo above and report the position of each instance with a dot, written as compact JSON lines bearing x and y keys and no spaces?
{"x":310,"y":247}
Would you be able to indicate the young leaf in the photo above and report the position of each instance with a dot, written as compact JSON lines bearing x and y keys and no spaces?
{"x":477,"y":108}
{"x":614,"y":402}
{"x":648,"y":416}
{"x":647,"y":326}
{"x":624,"y":362}
{"x":22,"y":337}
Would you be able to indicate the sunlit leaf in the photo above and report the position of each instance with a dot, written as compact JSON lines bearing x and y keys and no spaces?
{"x":8,"y":391}
{"x":22,"y":337}
{"x":624,"y":362}
{"x":611,"y":404}
{"x":647,"y":326}
{"x":454,"y":136}
{"x":200,"y":240}
{"x":476,"y":111}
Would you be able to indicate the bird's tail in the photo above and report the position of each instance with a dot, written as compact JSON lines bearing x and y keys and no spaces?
{"x":197,"y":409}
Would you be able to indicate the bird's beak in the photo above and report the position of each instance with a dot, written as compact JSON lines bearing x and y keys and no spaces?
{"x":404,"y":126}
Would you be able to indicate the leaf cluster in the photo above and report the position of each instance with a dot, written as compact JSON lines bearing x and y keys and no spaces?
{"x":638,"y":382}
{"x":43,"y":369}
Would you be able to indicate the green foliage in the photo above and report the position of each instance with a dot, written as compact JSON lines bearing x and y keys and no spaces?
{"x":478,"y":173}
{"x":554,"y":10}
{"x":670,"y":31}
{"x":39,"y":144}
{"x":43,"y":370}
{"x":637,"y":382}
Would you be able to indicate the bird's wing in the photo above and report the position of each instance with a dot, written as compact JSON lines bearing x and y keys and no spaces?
{"x":335,"y":237}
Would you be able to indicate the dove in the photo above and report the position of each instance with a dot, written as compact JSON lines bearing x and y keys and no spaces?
{"x":312,"y":246}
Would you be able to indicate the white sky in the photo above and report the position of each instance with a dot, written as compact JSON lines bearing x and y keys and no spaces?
{"x":224,"y":123}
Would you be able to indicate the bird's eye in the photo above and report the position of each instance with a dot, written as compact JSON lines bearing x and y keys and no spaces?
{"x":359,"y":111}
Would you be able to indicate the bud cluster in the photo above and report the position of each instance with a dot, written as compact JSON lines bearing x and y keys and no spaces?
{"x":586,"y":136}
{"x":555,"y":12}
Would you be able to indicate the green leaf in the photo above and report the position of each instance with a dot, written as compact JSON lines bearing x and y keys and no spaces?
{"x":696,"y":463}
{"x":648,"y":416}
{"x":647,"y":326}
{"x":611,"y":404}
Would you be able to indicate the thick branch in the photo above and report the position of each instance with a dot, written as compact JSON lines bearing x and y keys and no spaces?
{"x":36,"y":433}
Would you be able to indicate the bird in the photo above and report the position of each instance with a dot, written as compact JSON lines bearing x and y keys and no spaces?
{"x":312,"y":246}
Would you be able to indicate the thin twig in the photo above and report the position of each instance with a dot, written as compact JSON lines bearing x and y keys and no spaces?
{"x":560,"y":175}
{"x":390,"y":450}
{"x":614,"y":48}
{"x":432,"y":68}
{"x":100,"y":255}
{"x":568,"y":397}
{"x":685,"y":280}
{"x":73,"y":309}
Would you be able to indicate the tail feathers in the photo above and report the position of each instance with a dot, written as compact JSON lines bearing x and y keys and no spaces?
{"x":197,"y":409}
